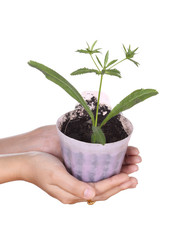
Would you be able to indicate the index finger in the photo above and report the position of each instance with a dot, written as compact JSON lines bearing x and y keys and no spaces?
{"x":110,"y":183}
{"x":132,"y":151}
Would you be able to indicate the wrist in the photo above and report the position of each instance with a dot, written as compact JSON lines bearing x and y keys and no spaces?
{"x":13,"y":167}
{"x":25,"y":142}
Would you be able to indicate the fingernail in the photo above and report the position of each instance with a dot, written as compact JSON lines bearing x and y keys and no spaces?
{"x":88,"y":193}
{"x":137,"y":168}
{"x":139,"y":159}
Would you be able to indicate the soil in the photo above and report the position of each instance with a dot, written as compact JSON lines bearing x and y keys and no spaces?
{"x":80,"y":125}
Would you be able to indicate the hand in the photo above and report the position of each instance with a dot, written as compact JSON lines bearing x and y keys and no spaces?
{"x":131,"y":160}
{"x":48,"y":140}
{"x":47,"y":172}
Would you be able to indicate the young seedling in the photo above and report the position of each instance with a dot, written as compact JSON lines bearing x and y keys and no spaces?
{"x":107,"y":67}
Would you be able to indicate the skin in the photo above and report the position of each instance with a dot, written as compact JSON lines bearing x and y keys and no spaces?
{"x":36,"y":157}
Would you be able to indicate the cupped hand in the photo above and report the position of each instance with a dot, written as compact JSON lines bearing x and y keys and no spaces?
{"x":48,"y":140}
{"x":48,"y":172}
{"x":49,"y":143}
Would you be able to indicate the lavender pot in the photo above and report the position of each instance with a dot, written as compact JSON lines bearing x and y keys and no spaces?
{"x":90,"y":162}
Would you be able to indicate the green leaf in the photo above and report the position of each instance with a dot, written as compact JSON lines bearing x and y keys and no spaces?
{"x":85,"y":70}
{"x":129,"y":101}
{"x":63,"y":83}
{"x":88,"y":45}
{"x":130,"y":53}
{"x":95,"y":51}
{"x":124,"y":48}
{"x":99,"y":61}
{"x":98,"y":135}
{"x":106,"y":58}
{"x":113,"y":72}
{"x":93,"y":45}
{"x":112,"y":62}
{"x":83,"y":51}
{"x":136,"y":63}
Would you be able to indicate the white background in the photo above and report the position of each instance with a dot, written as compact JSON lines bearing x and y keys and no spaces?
{"x":161,"y":207}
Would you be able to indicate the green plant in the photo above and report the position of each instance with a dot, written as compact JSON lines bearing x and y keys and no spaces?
{"x":101,"y":69}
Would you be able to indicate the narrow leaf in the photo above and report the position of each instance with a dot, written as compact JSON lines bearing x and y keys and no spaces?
{"x":129,"y":101}
{"x":93,"y":45}
{"x":95,"y":51}
{"x":84,"y":70}
{"x":88,"y":45}
{"x":135,"y":49}
{"x":99,"y":61}
{"x":63,"y":83}
{"x":113,"y":72}
{"x":83,"y":51}
{"x":106,"y":58}
{"x":124,"y":48}
{"x":136,"y":63}
{"x":98,"y":136}
{"x":112,"y":62}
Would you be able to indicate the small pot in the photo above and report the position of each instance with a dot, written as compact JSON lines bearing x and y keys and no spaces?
{"x":91,"y":162}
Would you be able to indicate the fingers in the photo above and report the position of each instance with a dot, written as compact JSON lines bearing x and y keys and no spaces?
{"x":110,"y":183}
{"x":132,"y":151}
{"x":130,"y":183}
{"x":73,"y":186}
{"x":63,"y":196}
{"x":128,"y":169}
{"x":132,"y":159}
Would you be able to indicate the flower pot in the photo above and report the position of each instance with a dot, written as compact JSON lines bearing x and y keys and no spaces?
{"x":91,"y":162}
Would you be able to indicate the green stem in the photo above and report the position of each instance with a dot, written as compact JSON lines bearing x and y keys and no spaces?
{"x":99,"y":92}
{"x":95,"y":63}
{"x":118,"y":63}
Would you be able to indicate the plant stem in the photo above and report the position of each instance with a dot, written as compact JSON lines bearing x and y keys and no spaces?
{"x":118,"y":63}
{"x":95,"y":63}
{"x":99,"y":92}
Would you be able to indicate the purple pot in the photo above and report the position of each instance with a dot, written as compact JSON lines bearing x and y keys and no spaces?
{"x":90,"y":162}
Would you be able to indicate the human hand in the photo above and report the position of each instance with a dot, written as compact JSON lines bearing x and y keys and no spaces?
{"x":49,"y":143}
{"x":47,"y":172}
{"x":48,"y":140}
{"x":131,"y":160}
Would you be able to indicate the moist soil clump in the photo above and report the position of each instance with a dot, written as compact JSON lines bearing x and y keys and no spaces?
{"x":79,"y":125}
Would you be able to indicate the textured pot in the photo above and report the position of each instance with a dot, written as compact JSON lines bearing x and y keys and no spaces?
{"x":90,"y":162}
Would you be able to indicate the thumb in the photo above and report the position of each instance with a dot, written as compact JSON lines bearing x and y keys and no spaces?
{"x":72,"y":185}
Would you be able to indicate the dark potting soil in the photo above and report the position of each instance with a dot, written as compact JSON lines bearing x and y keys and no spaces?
{"x":80,"y":126}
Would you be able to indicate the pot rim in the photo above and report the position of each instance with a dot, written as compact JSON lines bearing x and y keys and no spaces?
{"x":129,"y":131}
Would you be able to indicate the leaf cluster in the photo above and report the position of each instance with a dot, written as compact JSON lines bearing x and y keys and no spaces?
{"x":130,"y":54}
{"x":102,"y":68}
{"x":90,"y":50}
{"x":106,"y":68}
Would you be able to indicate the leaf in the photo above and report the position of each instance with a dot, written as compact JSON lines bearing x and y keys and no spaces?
{"x":88,"y":45}
{"x":98,"y":135}
{"x":88,"y":51}
{"x":95,"y":51}
{"x":136,"y":63}
{"x":99,"y":61}
{"x":83,"y":51}
{"x":112,"y":62}
{"x":85,"y":70}
{"x":129,"y":101}
{"x":93,"y":45}
{"x":113,"y":72}
{"x":62,"y":82}
{"x":124,"y":48}
{"x":106,"y":58}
